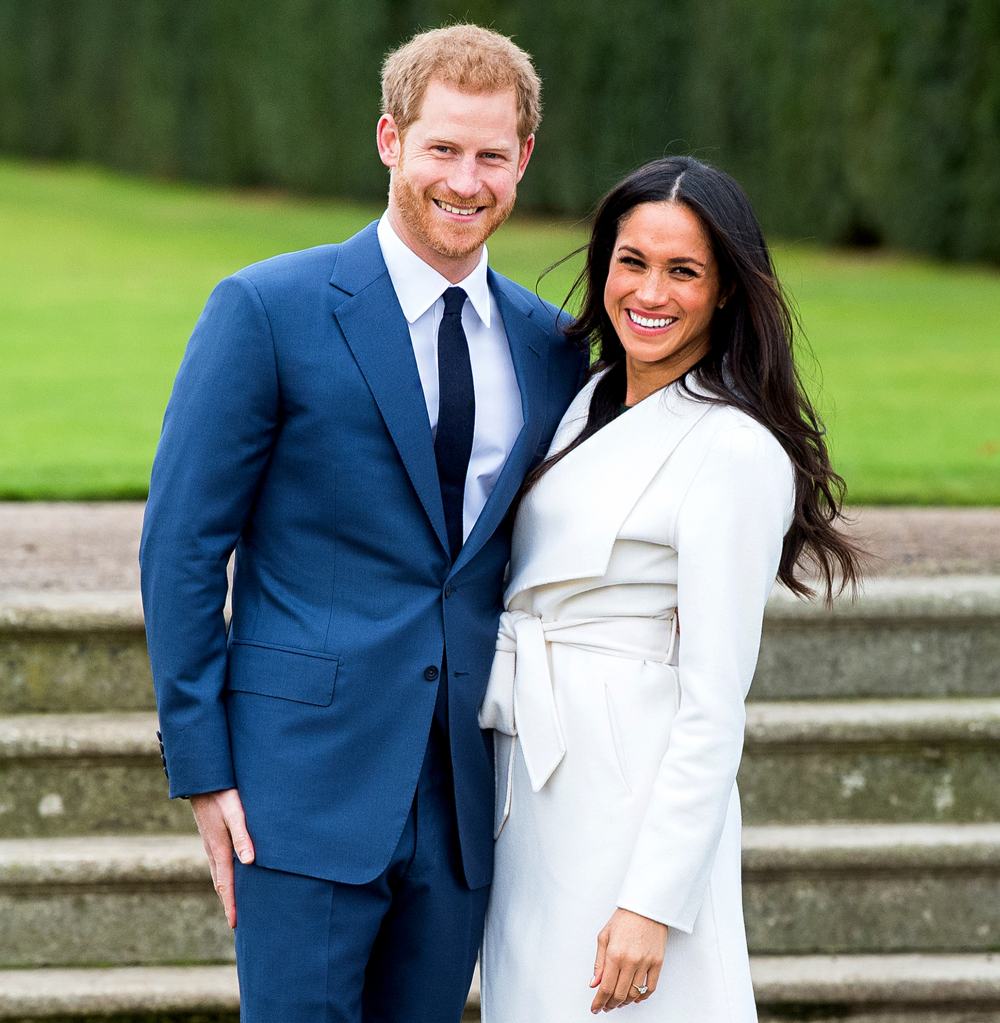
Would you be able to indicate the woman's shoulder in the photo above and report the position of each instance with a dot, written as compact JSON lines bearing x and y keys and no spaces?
{"x":739,"y":431}
{"x":728,"y":452}
{"x":727,"y":428}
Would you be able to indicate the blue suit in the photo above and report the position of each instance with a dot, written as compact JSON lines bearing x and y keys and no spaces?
{"x":297,"y":433}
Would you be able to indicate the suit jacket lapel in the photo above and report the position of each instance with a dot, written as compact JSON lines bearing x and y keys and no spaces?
{"x":379,"y":338}
{"x":527,"y":342}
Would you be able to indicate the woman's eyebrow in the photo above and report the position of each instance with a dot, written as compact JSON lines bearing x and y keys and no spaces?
{"x":673,"y":259}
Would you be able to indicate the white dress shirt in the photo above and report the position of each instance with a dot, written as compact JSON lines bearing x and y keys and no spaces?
{"x":419,"y":288}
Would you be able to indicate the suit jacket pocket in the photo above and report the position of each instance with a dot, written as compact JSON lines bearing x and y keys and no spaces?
{"x":303,"y":676}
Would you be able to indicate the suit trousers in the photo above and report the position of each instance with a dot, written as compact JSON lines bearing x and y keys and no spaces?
{"x":399,"y":949}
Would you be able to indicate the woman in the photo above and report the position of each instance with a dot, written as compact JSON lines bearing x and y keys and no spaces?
{"x":687,"y":474}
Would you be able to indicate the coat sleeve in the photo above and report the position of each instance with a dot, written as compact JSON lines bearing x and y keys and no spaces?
{"x":729,"y":531}
{"x":217,"y":434}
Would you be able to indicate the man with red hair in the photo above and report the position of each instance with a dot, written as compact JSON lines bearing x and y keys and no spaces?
{"x":355,"y":421}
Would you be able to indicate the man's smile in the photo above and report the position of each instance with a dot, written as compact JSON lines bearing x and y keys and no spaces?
{"x":458,"y":211}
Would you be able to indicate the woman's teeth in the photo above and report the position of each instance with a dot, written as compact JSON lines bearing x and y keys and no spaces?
{"x":646,"y":321}
{"x":462,"y":212}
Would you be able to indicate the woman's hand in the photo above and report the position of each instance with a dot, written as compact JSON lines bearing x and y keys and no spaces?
{"x":629,"y":956}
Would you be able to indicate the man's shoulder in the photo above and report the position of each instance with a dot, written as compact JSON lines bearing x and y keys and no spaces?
{"x":290,"y":268}
{"x":302,"y":268}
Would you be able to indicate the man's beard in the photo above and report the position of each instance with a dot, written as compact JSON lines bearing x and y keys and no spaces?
{"x":415,"y":209}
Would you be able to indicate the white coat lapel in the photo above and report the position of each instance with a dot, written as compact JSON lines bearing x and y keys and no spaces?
{"x":567,"y":525}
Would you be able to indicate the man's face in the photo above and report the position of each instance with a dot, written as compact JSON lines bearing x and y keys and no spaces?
{"x":454,"y":172}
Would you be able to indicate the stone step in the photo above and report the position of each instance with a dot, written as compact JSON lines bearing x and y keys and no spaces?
{"x":822,"y":989}
{"x":66,"y":652}
{"x":925,"y":760}
{"x":132,"y":994}
{"x":109,"y":900}
{"x":878,"y":988}
{"x":872,"y":888}
{"x":807,"y":890}
{"x":72,"y":774}
{"x":872,"y":760}
{"x":918,"y":637}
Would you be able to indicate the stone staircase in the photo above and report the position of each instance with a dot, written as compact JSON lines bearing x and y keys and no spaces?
{"x":870,"y":785}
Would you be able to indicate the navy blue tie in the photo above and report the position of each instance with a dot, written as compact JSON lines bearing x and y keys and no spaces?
{"x":456,"y":415}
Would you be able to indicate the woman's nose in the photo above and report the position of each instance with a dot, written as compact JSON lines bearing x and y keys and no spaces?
{"x":653,"y":291}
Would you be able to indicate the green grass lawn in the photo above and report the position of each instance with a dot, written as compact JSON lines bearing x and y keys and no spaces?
{"x":102,"y":278}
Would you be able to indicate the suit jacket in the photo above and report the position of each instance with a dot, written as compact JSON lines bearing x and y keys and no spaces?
{"x":297,"y":433}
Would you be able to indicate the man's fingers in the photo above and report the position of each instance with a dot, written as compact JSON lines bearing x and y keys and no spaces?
{"x":223,"y":828}
{"x":236,"y":823}
{"x":222,"y":875}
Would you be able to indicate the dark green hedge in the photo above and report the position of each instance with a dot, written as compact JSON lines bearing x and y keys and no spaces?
{"x":848,"y":121}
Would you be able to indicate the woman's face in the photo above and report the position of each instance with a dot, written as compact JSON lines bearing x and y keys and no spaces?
{"x":662,"y":290}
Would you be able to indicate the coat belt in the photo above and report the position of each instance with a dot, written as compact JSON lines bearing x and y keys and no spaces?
{"x":520,"y":702}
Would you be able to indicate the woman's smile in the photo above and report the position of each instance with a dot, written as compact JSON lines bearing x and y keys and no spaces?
{"x":650,"y":324}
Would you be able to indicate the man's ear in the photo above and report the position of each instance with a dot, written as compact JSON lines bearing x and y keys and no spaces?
{"x":524,"y":155}
{"x":389,"y":140}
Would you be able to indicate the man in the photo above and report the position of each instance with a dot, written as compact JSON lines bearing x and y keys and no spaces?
{"x":355,"y":420}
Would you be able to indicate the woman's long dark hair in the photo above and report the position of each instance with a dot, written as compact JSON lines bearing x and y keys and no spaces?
{"x":749,"y":363}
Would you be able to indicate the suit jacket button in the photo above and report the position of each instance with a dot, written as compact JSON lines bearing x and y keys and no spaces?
{"x":431,"y":673}
{"x":448,"y":590}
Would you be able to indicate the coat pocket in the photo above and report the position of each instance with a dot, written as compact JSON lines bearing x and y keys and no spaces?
{"x":617,"y":742}
{"x":302,"y":676}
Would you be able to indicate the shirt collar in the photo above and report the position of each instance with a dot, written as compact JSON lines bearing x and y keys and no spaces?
{"x":418,"y":285}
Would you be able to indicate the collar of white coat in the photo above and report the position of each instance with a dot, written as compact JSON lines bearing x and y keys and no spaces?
{"x":596,"y":485}
{"x":418,"y":285}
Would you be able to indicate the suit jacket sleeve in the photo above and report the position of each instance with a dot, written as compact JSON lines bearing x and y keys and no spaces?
{"x":218,"y":429}
{"x":729,"y":531}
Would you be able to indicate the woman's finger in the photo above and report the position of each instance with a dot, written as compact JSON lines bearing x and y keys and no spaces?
{"x":639,"y":982}
{"x":602,"y":951}
{"x":605,"y":992}
{"x":652,"y":979}
{"x":623,"y":988}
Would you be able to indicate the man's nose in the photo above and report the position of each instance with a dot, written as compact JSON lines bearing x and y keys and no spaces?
{"x":464,"y":178}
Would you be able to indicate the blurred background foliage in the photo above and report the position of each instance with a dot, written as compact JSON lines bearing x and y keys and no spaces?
{"x":150,"y":147}
{"x":859,"y":122}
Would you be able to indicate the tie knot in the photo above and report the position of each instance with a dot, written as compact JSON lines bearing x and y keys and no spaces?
{"x":454,"y":299}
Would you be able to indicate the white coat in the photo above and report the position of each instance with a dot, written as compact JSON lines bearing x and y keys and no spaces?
{"x":617,"y":735}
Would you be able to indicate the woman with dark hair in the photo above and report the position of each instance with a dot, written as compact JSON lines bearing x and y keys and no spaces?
{"x":688,"y":473}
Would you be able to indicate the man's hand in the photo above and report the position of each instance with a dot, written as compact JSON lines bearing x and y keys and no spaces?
{"x":629,"y":956}
{"x":223,"y":828}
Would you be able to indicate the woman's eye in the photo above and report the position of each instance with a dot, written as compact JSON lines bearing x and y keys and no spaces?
{"x":684,"y":271}
{"x":629,"y":261}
